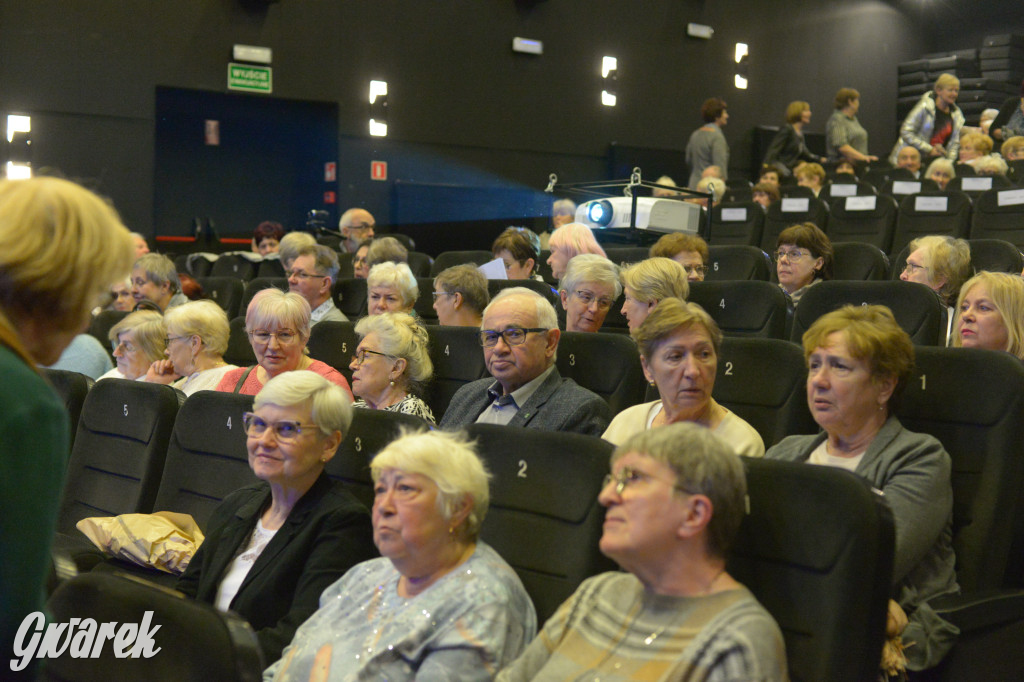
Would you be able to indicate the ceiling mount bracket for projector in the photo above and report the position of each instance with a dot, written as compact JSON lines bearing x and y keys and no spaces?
{"x":607,"y":189}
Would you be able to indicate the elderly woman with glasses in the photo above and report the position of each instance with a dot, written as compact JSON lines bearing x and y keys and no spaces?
{"x":648,"y":282}
{"x":588,"y":290}
{"x":803,"y":257}
{"x":278,"y":327}
{"x":360,"y":262}
{"x":674,"y":502}
{"x":859,"y":360}
{"x":391,"y":364}
{"x":439,"y":604}
{"x":197,"y":336}
{"x":272,"y":547}
{"x":679,"y":345}
{"x":139,"y":340}
{"x":942,"y":264}
{"x":391,"y":288}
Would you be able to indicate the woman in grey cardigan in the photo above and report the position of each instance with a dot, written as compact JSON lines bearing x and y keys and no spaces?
{"x":858,"y":361}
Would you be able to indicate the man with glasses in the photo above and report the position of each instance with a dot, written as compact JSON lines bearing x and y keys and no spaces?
{"x":312,"y":274}
{"x":356,"y":225}
{"x":520,"y":336}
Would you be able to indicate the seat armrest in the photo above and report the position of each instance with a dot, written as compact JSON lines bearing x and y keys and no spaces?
{"x":971,"y":612}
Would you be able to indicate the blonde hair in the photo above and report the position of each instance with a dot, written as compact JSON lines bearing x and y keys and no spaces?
{"x":1007,"y":294}
{"x":401,"y":336}
{"x":204,"y":319}
{"x":450,"y":461}
{"x":656,"y":279}
{"x":147,"y":328}
{"x":981,"y":142}
{"x":273,"y":306}
{"x":946,"y":81}
{"x":575,"y":238}
{"x":872,"y":335}
{"x":1013,"y":144}
{"x":61,"y":249}
{"x":948,"y":257}
{"x":811,"y":170}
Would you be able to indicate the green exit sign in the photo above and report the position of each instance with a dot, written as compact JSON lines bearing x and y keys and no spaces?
{"x":250,"y":78}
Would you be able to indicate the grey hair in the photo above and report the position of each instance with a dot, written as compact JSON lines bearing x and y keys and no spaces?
{"x":402,"y":337}
{"x":159,"y":270}
{"x":386,"y":249}
{"x":291,"y":244}
{"x":546,"y":315}
{"x":449,"y":459}
{"x":331,"y":406}
{"x":397,"y":275}
{"x":704,"y":464}
{"x":591,"y":268}
{"x":325,"y":260}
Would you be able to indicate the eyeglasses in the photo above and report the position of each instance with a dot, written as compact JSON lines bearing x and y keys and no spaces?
{"x":128,"y":346}
{"x":629,"y":476}
{"x":791,"y":255}
{"x":514,"y":336}
{"x":360,"y":227}
{"x":262,"y":336}
{"x":588,"y":297}
{"x":437,"y":294}
{"x":360,"y":357}
{"x":696,"y":269}
{"x":302,"y":275}
{"x":168,"y":339}
{"x":284,"y":430}
{"x":912,"y":267}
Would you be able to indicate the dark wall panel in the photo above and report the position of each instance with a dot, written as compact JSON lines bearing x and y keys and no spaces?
{"x":459,"y":97}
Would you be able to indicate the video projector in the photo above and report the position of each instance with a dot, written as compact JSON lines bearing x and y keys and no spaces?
{"x":656,"y":215}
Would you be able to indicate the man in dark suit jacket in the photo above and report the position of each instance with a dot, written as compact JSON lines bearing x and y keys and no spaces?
{"x":520,"y":338}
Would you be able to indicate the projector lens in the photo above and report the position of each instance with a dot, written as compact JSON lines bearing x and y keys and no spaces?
{"x":600,"y":213}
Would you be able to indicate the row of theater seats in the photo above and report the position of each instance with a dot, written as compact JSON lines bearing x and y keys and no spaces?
{"x":879,"y":220}
{"x":816,"y":547}
{"x":852,"y":261}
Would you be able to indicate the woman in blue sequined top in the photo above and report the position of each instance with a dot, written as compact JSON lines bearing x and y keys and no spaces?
{"x":439,"y":604}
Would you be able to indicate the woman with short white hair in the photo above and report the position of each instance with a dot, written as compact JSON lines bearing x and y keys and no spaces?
{"x":272,"y":547}
{"x":391,"y":364}
{"x":588,"y":290}
{"x":197,"y":337}
{"x":439,"y":604}
{"x":391,"y":288}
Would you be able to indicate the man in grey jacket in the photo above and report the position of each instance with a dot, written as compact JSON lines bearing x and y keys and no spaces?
{"x":520,"y":337}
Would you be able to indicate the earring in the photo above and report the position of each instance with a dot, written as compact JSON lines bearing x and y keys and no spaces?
{"x":653,"y":384}
{"x":392,"y":382}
